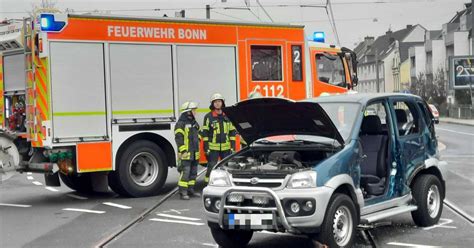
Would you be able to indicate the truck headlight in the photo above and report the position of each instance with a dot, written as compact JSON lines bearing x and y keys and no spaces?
{"x":305,"y":179}
{"x":219,"y":178}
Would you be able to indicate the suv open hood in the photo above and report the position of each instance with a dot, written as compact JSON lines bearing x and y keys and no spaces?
{"x":264,"y":117}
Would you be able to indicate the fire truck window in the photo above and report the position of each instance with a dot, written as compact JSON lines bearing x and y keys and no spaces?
{"x":266,"y":63}
{"x":330,"y":70}
{"x":297,"y":65}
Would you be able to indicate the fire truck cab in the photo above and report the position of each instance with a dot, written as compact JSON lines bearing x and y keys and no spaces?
{"x":103,"y":92}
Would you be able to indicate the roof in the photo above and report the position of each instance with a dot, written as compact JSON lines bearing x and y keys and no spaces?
{"x":358,"y":97}
{"x":383,"y":44}
{"x":435,"y":34}
{"x":403,"y":48}
{"x":184,"y":20}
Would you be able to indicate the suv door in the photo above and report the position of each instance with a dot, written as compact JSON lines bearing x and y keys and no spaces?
{"x":428,"y":131}
{"x":410,"y":149}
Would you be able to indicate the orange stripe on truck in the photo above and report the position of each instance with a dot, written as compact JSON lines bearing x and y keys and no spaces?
{"x":94,"y":156}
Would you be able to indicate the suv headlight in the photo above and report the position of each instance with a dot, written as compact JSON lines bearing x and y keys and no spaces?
{"x":219,"y":178}
{"x":305,"y":179}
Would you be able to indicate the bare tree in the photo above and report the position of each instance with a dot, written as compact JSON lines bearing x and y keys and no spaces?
{"x":43,"y":6}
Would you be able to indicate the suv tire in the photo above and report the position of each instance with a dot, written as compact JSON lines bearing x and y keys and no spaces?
{"x":428,"y":193}
{"x":340,"y":222}
{"x":231,"y":238}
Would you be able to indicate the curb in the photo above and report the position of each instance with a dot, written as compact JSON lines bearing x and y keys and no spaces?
{"x":458,"y":123}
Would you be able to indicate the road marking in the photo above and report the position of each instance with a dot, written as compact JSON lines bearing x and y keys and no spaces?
{"x":29,"y":173}
{"x":77,"y":197}
{"x":463,"y":133}
{"x":51,"y":189}
{"x":209,"y":244}
{"x":116,"y":205}
{"x":457,"y":210}
{"x":84,"y":210}
{"x":29,"y":178}
{"x":37,"y":183}
{"x":411,"y":245}
{"x":178,"y":222}
{"x":178,"y":217}
{"x":458,"y":156}
{"x":442,"y":223}
{"x":15,"y":205}
{"x":176,"y":211}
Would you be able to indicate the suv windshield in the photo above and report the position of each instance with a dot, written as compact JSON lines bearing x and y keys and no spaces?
{"x":343,"y":115}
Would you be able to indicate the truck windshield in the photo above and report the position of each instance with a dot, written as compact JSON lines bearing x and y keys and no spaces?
{"x":330,"y":69}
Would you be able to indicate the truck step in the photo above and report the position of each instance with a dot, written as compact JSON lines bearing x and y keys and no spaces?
{"x":370,"y":218}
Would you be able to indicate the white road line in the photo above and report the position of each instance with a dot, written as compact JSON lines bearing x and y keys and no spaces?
{"x":178,"y":222}
{"x":84,"y":210}
{"x":77,"y":197}
{"x":29,"y":173}
{"x":458,"y":156}
{"x":15,"y":205}
{"x":116,"y":205}
{"x":441,"y":223}
{"x":37,"y":183}
{"x":209,"y":244}
{"x":463,"y":133}
{"x":411,"y":245}
{"x":51,"y":189}
{"x":178,"y":217}
{"x":176,"y":211}
{"x":29,"y":178}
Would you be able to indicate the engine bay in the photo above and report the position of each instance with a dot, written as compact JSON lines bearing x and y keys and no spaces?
{"x":275,"y":161}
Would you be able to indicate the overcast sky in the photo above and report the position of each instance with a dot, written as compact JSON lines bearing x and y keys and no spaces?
{"x":355,"y":19}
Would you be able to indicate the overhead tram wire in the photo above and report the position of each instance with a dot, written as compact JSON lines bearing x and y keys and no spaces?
{"x":243,"y":7}
{"x":333,"y":21}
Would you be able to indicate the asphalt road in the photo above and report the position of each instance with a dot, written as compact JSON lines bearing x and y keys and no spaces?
{"x":56,"y":217}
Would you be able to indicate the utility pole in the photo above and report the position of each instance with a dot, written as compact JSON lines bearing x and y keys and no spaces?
{"x":208,"y":11}
{"x":472,"y":52}
{"x":377,"y":75}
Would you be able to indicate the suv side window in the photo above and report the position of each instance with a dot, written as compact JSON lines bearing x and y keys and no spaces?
{"x":407,"y":117}
{"x":377,"y":109}
{"x":427,"y":116}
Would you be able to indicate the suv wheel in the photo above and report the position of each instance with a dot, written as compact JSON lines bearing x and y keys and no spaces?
{"x":338,"y":228}
{"x":231,"y":238}
{"x":428,"y":193}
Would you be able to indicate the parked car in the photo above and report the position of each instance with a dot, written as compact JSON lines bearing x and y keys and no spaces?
{"x":435,"y":112}
{"x":322,"y":166}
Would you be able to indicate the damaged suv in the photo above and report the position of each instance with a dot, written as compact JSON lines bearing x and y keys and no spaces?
{"x":322,"y":167}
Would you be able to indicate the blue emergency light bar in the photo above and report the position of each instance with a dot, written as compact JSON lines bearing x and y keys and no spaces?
{"x":49,"y":24}
{"x":319,"y":37}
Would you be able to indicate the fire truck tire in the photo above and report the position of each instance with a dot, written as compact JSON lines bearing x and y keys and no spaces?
{"x":141,"y":170}
{"x":80,"y":183}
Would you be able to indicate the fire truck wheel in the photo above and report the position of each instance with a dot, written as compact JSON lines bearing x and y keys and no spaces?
{"x":141,"y":170}
{"x":78,"y":182}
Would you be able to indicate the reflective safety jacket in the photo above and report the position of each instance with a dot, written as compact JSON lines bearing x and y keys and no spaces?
{"x":186,"y":132}
{"x":218,"y":133}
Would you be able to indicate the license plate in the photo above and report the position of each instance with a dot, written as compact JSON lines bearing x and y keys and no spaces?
{"x":249,"y":221}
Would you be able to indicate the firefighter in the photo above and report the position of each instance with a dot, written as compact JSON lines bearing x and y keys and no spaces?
{"x":218,"y":134}
{"x":187,"y":140}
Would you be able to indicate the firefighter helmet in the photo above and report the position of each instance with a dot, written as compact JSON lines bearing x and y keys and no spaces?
{"x":188,"y":106}
{"x":217,"y":96}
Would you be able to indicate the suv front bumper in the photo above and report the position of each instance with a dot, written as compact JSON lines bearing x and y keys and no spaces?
{"x":292,"y":224}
